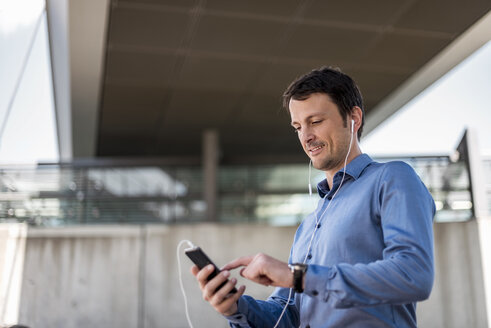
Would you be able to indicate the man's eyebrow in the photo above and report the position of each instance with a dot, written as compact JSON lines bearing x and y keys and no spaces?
{"x":309,"y":117}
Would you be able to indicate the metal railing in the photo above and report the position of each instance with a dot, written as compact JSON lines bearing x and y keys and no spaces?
{"x":276,"y":194}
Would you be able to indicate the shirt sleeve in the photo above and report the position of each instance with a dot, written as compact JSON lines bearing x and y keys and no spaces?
{"x":256,"y":313}
{"x":405,"y":273}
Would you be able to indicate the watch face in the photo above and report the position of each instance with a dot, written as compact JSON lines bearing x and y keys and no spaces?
{"x":300,"y":266}
{"x":298,"y":270}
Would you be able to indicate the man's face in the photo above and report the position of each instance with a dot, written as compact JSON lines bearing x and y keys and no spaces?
{"x":321,"y":130}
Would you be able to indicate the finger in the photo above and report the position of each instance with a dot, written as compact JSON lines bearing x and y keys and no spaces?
{"x":249,"y":272}
{"x":203,"y":274}
{"x":223,"y":292}
{"x":211,"y":287}
{"x":241,"y":261}
{"x":260,"y":279}
{"x":194,"y":270}
{"x":230,"y":300}
{"x":252,"y":274}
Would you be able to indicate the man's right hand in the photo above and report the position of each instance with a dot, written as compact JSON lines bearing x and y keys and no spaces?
{"x":221,"y":300}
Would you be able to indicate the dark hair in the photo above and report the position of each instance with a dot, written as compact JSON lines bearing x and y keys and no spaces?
{"x":341,"y":88}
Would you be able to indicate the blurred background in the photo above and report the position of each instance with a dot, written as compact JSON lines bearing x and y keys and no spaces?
{"x":129,"y":125}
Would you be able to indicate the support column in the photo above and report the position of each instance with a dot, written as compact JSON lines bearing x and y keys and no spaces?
{"x":210,"y":168}
{"x":59,"y":40}
{"x":479,"y":202}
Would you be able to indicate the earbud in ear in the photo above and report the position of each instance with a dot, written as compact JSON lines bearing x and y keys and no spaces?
{"x":352,"y":125}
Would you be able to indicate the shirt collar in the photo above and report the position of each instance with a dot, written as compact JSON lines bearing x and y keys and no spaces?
{"x":354,"y":169}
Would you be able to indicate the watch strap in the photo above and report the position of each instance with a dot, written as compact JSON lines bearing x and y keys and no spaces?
{"x":298,"y":270}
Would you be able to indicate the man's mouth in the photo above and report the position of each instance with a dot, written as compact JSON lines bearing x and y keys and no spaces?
{"x":315,"y":150}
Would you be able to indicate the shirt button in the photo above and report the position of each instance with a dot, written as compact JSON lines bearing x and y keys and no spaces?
{"x":318,"y":226}
{"x":315,"y":293}
{"x":309,"y":256}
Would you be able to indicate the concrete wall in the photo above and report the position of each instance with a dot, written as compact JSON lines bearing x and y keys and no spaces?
{"x":485,"y":241}
{"x":12,"y":252}
{"x":458,"y":296}
{"x":126,"y":276}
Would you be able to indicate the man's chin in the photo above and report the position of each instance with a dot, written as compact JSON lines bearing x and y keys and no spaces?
{"x":323,"y":165}
{"x":316,"y":163}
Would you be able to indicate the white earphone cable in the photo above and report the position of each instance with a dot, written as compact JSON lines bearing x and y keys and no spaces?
{"x":190,"y":244}
{"x":310,"y":182}
{"x":317,"y":220}
{"x":284,"y":308}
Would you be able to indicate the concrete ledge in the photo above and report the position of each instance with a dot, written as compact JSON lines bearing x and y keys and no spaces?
{"x":85,"y":231}
{"x":127,"y":275}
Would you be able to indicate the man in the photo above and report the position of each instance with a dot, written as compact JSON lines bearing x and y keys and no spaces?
{"x":365,"y":256}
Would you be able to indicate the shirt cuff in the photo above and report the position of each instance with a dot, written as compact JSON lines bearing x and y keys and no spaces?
{"x":317,"y":280}
{"x":239,"y":317}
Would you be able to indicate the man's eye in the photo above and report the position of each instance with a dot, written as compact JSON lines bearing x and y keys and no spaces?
{"x":316,"y":122}
{"x":296,"y":130}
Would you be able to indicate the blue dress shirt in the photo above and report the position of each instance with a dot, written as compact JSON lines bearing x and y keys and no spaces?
{"x":371,"y":257}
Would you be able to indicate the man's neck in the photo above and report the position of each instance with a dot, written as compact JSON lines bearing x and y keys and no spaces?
{"x":355,"y":152}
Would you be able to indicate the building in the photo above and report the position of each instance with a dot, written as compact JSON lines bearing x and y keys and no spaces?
{"x":151,"y":97}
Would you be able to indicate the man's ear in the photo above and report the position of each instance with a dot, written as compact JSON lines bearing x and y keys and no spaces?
{"x":357,"y":117}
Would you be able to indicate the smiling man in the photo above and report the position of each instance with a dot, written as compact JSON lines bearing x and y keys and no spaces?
{"x":364,"y":257}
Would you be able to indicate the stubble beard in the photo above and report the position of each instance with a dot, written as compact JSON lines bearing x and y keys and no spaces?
{"x":334,"y":159}
{"x":327,"y":164}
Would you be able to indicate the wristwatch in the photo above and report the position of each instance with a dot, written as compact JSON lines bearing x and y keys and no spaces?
{"x":298,"y":270}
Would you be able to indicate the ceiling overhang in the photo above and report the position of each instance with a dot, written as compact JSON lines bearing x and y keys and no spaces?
{"x":148,"y":77}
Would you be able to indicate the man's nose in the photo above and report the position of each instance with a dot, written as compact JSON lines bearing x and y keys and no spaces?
{"x":306,"y":136}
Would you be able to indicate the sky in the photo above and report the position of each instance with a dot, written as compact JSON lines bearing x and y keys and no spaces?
{"x":26,"y":93}
{"x":435,"y":120}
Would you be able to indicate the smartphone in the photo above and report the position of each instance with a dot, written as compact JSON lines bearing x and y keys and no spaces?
{"x":201,"y":260}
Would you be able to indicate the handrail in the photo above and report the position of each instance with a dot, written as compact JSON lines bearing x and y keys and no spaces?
{"x":158,"y":190}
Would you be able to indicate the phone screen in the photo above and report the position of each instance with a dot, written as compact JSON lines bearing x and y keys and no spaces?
{"x":201,"y":260}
